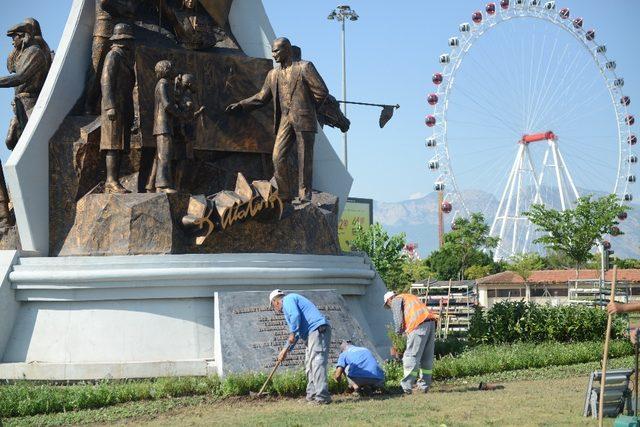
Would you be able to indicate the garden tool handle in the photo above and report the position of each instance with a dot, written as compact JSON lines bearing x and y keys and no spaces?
{"x":285,"y":350}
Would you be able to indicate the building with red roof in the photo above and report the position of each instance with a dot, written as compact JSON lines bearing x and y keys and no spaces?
{"x":554,"y":286}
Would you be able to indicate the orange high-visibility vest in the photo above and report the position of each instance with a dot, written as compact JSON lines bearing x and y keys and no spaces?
{"x":415,"y":312}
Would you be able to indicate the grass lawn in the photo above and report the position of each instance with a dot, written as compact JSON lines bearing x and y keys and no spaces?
{"x":549,"y":396}
{"x":541,"y":402}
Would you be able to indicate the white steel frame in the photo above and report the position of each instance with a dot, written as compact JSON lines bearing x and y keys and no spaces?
{"x":506,"y":217}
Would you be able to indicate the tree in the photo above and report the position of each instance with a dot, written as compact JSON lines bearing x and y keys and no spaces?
{"x":627,"y":263}
{"x":416,"y":271}
{"x":526,"y":264}
{"x":465,"y":245}
{"x":574,"y":232}
{"x":477,"y":271}
{"x":385,"y":253}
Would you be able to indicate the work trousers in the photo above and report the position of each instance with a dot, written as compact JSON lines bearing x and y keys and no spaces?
{"x":164,"y":157}
{"x":315,"y":363}
{"x":358,"y":382}
{"x":418,"y":357}
{"x":288,"y":139}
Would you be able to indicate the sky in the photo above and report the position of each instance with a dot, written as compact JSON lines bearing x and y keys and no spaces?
{"x":392,"y":52}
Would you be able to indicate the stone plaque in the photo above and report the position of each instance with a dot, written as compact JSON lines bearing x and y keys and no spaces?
{"x":252,"y":334}
{"x":221,"y":78}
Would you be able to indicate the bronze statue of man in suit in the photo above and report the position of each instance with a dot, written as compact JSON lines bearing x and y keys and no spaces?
{"x":117,"y":82}
{"x":296,"y":90}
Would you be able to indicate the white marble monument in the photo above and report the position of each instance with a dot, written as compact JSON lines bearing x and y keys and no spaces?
{"x":76,"y":318}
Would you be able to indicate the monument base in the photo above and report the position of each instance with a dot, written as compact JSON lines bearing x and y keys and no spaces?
{"x":83,"y":318}
{"x":149,"y":223}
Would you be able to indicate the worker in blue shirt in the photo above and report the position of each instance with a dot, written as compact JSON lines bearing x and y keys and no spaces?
{"x":360,"y":367}
{"x":307,"y":323}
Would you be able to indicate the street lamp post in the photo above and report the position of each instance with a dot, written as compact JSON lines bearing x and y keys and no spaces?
{"x":341,"y":14}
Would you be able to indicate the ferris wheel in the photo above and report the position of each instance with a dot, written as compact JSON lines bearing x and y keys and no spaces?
{"x":528,"y":108}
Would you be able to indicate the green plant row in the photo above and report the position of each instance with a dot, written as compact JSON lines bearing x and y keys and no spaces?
{"x":490,"y":359}
{"x":519,"y":321}
{"x":25,"y":399}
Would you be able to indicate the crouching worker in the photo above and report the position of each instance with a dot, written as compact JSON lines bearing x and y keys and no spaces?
{"x":360,"y":367}
{"x":307,"y":323}
{"x":412,"y":317}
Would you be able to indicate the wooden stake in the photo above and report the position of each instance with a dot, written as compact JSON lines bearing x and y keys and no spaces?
{"x":606,"y":348}
{"x":446,"y":319}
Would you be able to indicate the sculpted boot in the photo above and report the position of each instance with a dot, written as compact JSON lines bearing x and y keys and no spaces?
{"x":112,"y":184}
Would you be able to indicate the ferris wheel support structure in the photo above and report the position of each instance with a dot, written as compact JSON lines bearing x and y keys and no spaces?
{"x":514,"y":193}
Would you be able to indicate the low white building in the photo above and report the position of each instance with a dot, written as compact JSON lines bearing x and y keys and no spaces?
{"x":556,"y":287}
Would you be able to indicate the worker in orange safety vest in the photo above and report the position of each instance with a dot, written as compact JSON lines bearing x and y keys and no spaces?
{"x":413,"y":318}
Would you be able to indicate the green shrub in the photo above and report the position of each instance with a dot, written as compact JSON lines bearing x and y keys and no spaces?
{"x":450,"y":346}
{"x":398,"y":341}
{"x":393,"y":373}
{"x":519,"y":321}
{"x":290,"y":383}
{"x":242,"y":384}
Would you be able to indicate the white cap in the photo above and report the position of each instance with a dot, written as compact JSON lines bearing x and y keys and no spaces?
{"x":388,"y":296}
{"x":275,"y":293}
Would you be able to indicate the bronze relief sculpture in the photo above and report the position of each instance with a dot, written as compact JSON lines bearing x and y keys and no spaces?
{"x":117,"y":82}
{"x":194,"y":28}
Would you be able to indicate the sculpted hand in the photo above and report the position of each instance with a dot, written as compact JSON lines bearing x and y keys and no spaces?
{"x":111,"y":114}
{"x":233,"y":108}
{"x":292,"y":339}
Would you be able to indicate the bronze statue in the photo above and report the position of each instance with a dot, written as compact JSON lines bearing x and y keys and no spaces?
{"x":165,"y":114}
{"x":173,"y":113}
{"x":193,"y":26}
{"x":118,"y":81}
{"x":185,"y":90}
{"x":106,"y":13}
{"x":28,"y":64}
{"x":297,"y":90}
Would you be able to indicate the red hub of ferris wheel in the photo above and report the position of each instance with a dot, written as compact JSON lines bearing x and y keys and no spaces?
{"x":536,"y":137}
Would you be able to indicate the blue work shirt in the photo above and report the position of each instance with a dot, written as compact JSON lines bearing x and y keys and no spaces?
{"x":360,"y":362}
{"x":301,"y":315}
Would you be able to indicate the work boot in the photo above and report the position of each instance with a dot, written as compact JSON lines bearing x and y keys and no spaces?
{"x":317,"y":402}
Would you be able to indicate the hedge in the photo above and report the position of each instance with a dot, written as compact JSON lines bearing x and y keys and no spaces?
{"x":519,"y":321}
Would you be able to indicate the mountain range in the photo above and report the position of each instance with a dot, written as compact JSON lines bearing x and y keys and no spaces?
{"x":418,"y":218}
